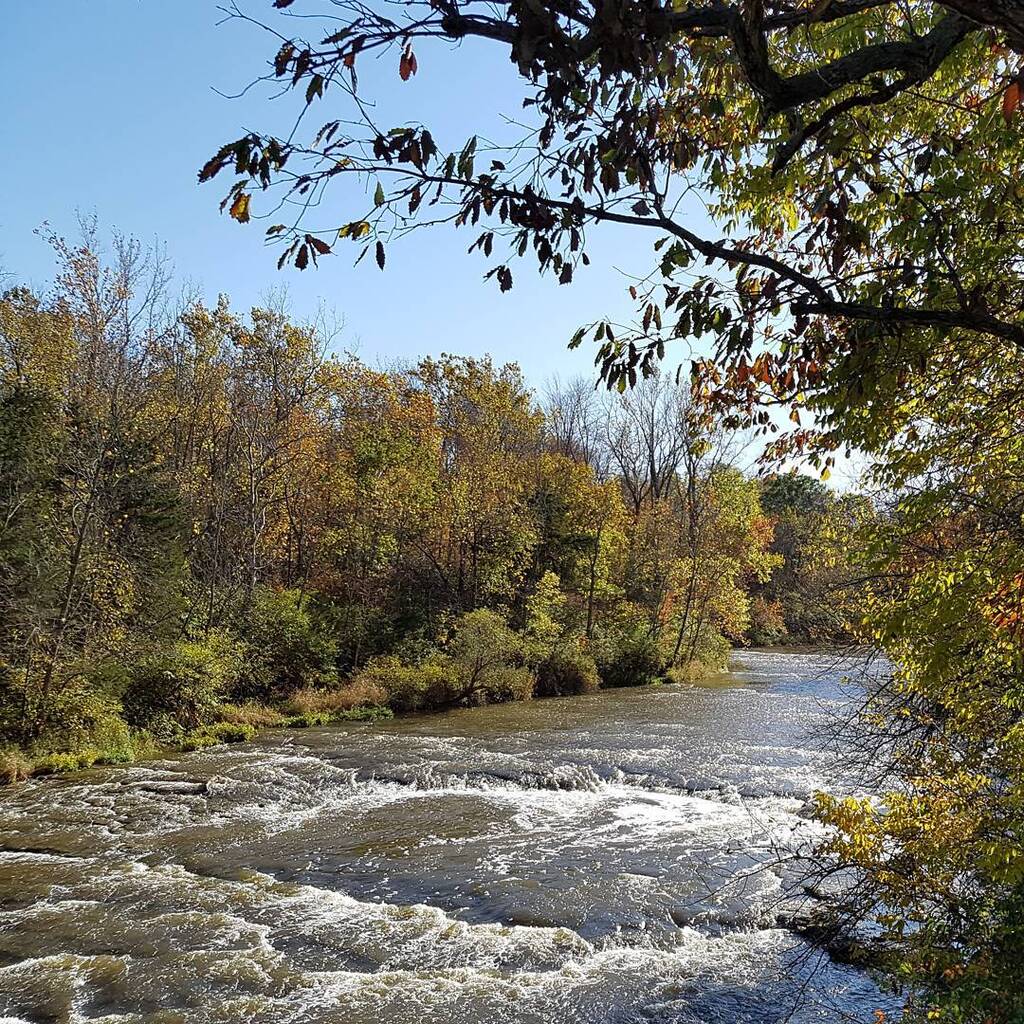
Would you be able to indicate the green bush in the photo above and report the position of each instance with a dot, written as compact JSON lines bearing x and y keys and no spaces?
{"x":505,"y":683}
{"x":486,"y":658}
{"x":58,"y":764}
{"x":408,"y":687}
{"x":372,"y":713}
{"x":568,"y":669}
{"x":231,"y":732}
{"x":290,"y":645}
{"x":482,"y":664}
{"x":307,"y":720}
{"x":197,"y":741}
{"x":629,"y":659}
{"x":83,"y":715}
{"x":219,"y":732}
{"x":314,"y":719}
{"x":179,"y":688}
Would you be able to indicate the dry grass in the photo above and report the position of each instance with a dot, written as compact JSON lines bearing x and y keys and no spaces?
{"x":360,"y":693}
{"x":14,"y":767}
{"x":259,"y":716}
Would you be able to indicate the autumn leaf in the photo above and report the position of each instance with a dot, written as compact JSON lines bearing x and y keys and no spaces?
{"x":240,"y":207}
{"x":378,"y":195}
{"x":1011,"y":100}
{"x":407,"y":65}
{"x":380,"y":255}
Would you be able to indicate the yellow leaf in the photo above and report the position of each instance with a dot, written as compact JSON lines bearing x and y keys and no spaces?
{"x":240,"y":207}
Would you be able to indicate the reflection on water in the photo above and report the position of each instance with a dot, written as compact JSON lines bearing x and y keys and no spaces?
{"x":620,"y":857}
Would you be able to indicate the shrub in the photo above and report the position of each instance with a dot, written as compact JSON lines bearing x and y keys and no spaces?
{"x":407,"y":687}
{"x":482,"y":651}
{"x":568,"y":669}
{"x":197,"y":741}
{"x":629,"y":659}
{"x":14,"y":766}
{"x":121,"y":755}
{"x":257,"y":715}
{"x":706,"y":652}
{"x":309,"y":720}
{"x":231,"y":732}
{"x":179,"y":688}
{"x":290,"y":646}
{"x":361,"y":692}
{"x":219,"y":732}
{"x":57,"y":764}
{"x":481,"y":665}
{"x":106,"y":733}
{"x":312,"y":719}
{"x":767,"y":625}
{"x":505,"y":683}
{"x":373,"y":713}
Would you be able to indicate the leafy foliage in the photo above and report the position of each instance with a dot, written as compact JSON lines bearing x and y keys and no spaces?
{"x":210,"y":524}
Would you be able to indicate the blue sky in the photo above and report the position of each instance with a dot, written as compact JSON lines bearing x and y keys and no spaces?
{"x":111,"y":107}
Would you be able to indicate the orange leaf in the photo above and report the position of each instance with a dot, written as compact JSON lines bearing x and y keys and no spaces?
{"x":1011,"y":100}
{"x":407,"y":65}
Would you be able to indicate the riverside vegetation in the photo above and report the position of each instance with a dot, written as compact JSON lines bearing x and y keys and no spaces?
{"x":210,"y":525}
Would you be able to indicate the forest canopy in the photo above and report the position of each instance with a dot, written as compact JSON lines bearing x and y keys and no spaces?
{"x":215,"y":520}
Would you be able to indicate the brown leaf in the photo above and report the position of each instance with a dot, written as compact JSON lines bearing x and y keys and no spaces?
{"x":1011,"y":100}
{"x":407,"y":65}
{"x":380,"y":255}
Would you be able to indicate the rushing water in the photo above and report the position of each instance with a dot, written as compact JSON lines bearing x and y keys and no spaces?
{"x":624,"y":856}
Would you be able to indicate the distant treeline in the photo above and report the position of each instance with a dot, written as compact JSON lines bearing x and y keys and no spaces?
{"x":208,"y":522}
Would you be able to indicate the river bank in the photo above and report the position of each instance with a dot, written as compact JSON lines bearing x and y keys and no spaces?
{"x":488,"y":675}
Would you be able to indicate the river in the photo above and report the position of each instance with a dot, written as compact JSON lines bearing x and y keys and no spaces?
{"x":619,"y":857}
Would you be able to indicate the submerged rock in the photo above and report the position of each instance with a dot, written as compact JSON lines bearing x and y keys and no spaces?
{"x":842,"y":945}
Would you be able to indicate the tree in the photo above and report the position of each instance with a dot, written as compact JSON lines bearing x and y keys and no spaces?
{"x":942,"y":869}
{"x":89,"y":554}
{"x":732,"y":549}
{"x":815,"y":590}
{"x":482,"y":531}
{"x":860,"y":161}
